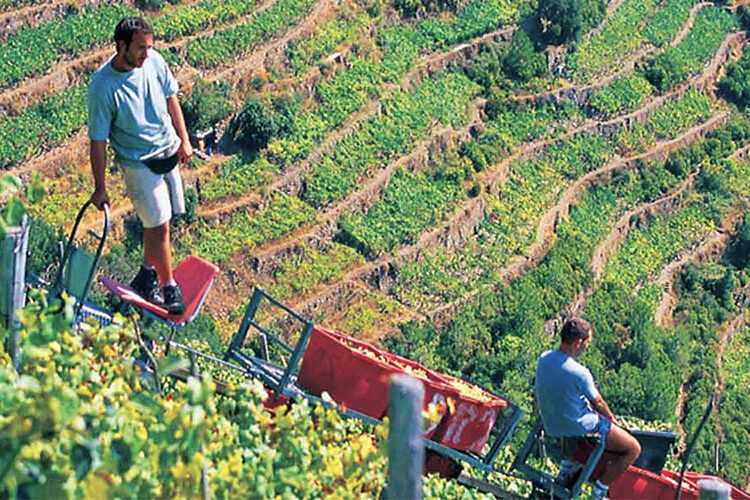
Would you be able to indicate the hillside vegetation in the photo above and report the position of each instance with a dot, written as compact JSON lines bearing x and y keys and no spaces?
{"x":432,"y":176}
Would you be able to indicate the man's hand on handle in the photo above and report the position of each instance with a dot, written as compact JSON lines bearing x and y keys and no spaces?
{"x":100,"y":198}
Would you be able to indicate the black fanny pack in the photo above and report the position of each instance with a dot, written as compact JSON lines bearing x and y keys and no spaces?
{"x":161,"y":165}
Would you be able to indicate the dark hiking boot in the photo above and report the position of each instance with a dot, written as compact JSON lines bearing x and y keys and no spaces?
{"x":173,"y":300}
{"x":146,"y":284}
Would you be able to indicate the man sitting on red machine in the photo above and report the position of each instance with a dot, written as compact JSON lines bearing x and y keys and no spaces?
{"x":570,"y":405}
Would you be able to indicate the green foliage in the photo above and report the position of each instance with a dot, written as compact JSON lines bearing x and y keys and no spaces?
{"x":738,"y":251}
{"x":202,"y":15}
{"x":43,"y":247}
{"x":224,"y":46}
{"x":645,"y":364}
{"x":561,"y":19}
{"x":734,"y":85}
{"x":666,"y":122}
{"x":238,"y":175}
{"x":409,"y":204}
{"x":53,"y":120}
{"x":409,"y":8}
{"x":624,"y":94}
{"x":496,"y":339}
{"x":499,"y":331}
{"x":81,"y":421}
{"x":207,"y":104}
{"x":735,"y":438}
{"x":473,"y":19}
{"x":509,"y":127}
{"x":33,"y":50}
{"x":675,"y":64}
{"x":521,"y":62}
{"x":667,"y":22}
{"x":246,"y":230}
{"x":622,"y":34}
{"x":592,"y":13}
{"x":312,"y":269}
{"x":154,"y":4}
{"x":254,"y":126}
{"x":405,"y":119}
{"x":634,"y":139}
{"x":12,"y":207}
{"x":350,"y":89}
{"x":345,"y":27}
{"x":533,"y":186}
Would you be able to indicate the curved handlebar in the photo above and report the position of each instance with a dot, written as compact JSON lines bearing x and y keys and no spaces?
{"x":69,"y":250}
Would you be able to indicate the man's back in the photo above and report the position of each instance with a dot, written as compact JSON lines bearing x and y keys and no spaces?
{"x":562,"y":387}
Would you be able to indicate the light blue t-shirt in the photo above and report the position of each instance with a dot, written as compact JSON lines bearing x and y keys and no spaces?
{"x":564,"y":388}
{"x":130,"y":109}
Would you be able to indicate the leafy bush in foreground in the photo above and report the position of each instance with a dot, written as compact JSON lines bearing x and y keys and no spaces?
{"x":81,"y":420}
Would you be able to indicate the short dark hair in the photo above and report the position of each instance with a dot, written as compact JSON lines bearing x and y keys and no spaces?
{"x":574,"y":329}
{"x":128,"y":27}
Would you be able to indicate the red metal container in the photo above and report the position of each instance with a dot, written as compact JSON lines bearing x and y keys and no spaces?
{"x":353,"y":379}
{"x":356,"y":375}
{"x":472,"y":415}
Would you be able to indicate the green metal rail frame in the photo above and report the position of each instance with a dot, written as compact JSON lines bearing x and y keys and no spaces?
{"x":282,"y":380}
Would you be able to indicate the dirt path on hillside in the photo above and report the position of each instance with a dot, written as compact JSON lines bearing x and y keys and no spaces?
{"x":461,"y":225}
{"x":618,"y":234}
{"x":75,"y":152}
{"x":292,"y":179}
{"x":581,"y":93}
{"x":704,"y":81}
{"x":713,"y":244}
{"x":71,"y":67}
{"x":377,"y":273}
{"x":266,"y":259}
{"x":520,"y":264}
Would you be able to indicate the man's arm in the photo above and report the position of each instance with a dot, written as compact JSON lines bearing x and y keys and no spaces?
{"x":98,"y":155}
{"x":186,"y":150}
{"x":601,"y":406}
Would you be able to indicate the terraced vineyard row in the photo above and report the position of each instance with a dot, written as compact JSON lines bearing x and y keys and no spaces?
{"x":438,"y":180}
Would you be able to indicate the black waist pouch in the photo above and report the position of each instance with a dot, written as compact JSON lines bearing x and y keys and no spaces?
{"x":161,"y":165}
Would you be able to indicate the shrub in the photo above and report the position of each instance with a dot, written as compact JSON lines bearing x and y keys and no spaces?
{"x":207,"y":104}
{"x":495,"y":105}
{"x":561,"y":20}
{"x":409,"y":8}
{"x":521,"y":62}
{"x":285,"y":108}
{"x":738,"y":252}
{"x":666,"y":71}
{"x":735,"y":86}
{"x":254,"y":126}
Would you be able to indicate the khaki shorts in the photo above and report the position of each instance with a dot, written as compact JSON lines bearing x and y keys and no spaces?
{"x":155,"y":196}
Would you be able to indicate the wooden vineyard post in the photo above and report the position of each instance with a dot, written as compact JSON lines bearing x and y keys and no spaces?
{"x":713,"y":489}
{"x":405,"y":445}
{"x":13,"y":248}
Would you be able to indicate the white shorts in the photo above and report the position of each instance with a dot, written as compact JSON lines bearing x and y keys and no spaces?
{"x":155,"y":196}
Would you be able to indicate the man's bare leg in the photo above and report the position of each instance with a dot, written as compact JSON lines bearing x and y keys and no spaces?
{"x":624,"y":450}
{"x":157,"y":251}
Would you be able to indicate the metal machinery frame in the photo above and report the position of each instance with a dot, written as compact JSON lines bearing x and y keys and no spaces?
{"x":537,"y":440}
{"x":283,"y":381}
{"x":76,"y":261}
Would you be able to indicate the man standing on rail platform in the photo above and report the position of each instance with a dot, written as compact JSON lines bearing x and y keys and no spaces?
{"x":570,"y":405}
{"x":133,"y":102}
